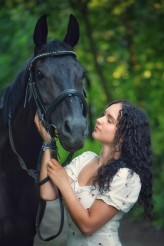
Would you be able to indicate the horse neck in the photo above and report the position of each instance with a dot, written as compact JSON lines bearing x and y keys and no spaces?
{"x":26,"y":139}
{"x":3,"y":131}
{"x":21,"y":121}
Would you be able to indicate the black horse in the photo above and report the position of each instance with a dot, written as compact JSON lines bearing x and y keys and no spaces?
{"x":51,"y":84}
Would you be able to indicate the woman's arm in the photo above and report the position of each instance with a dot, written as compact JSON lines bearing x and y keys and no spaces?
{"x":88,"y":221}
{"x":48,"y":191}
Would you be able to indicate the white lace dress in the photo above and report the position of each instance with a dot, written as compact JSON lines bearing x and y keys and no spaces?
{"x":124,"y":192}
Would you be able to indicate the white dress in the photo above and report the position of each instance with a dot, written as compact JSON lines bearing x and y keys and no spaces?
{"x":124,"y":192}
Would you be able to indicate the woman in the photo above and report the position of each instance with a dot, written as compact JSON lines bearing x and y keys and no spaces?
{"x":98,"y":190}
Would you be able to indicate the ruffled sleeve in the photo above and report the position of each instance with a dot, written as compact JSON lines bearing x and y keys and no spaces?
{"x":123,"y":191}
{"x":78,"y":163}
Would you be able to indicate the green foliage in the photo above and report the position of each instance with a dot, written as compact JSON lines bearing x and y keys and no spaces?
{"x":158,"y":191}
{"x":63,"y":154}
{"x":122,"y":48}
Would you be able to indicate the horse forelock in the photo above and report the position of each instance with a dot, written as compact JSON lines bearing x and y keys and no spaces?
{"x":55,"y":45}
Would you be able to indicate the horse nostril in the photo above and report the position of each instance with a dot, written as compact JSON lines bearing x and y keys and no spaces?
{"x":73,"y":129}
{"x":67,"y":126}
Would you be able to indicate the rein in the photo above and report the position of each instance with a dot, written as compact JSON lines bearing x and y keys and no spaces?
{"x":31,"y":92}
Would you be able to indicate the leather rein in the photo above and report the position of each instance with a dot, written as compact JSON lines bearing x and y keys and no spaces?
{"x":32,"y":92}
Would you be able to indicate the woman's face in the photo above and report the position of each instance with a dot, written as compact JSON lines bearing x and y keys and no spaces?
{"x":105,"y":128}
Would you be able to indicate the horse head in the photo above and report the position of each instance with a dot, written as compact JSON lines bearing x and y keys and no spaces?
{"x":56,"y":83}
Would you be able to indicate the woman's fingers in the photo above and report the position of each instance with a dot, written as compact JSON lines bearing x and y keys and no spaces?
{"x":57,"y":173}
{"x":44,"y":134}
{"x":53,"y":165}
{"x":36,"y":120}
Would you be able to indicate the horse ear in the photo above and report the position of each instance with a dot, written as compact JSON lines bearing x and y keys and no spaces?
{"x":40,"y":32}
{"x":72,"y":35}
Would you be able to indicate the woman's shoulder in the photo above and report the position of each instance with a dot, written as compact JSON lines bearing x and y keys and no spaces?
{"x":128,"y":175}
{"x":123,"y":190}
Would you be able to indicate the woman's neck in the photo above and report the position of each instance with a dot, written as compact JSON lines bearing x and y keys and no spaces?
{"x":106,"y":154}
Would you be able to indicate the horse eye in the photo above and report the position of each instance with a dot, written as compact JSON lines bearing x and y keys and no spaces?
{"x":84,"y":72}
{"x":82,"y":105}
{"x":38,"y":75}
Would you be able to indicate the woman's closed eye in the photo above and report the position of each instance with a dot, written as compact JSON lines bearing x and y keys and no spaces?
{"x":109,"y":120}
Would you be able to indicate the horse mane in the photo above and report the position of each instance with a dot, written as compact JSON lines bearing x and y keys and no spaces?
{"x":12,"y":95}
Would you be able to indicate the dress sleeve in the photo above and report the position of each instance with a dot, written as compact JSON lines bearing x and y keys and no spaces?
{"x":123,"y":191}
{"x":78,"y":163}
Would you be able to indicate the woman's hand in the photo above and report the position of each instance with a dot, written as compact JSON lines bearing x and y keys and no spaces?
{"x":44,"y":134}
{"x":57,"y":173}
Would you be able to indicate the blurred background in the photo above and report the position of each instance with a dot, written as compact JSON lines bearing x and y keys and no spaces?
{"x":122,"y":48}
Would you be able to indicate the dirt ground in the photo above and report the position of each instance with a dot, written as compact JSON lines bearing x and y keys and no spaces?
{"x":131,"y":233}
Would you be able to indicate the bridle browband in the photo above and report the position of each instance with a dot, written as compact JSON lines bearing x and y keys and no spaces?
{"x":31,"y":92}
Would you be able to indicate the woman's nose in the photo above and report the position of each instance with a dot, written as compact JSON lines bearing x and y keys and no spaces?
{"x":98,"y":121}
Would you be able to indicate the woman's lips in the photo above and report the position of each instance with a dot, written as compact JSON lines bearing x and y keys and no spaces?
{"x":96,"y":129}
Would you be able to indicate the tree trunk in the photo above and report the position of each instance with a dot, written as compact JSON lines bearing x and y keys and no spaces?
{"x":82,"y":7}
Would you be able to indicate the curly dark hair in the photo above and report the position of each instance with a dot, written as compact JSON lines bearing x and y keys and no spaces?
{"x":133,"y":139}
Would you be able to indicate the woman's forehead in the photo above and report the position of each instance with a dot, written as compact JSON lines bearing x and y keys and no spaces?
{"x":114,"y":110}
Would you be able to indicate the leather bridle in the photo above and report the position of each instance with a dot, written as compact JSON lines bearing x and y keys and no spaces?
{"x":32,"y":92}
